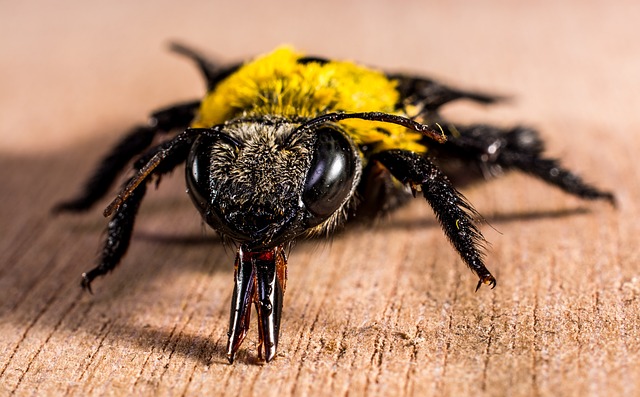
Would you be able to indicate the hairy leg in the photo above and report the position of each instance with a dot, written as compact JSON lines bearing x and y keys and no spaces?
{"x":120,"y":226}
{"x":132,"y":145}
{"x":456,"y":216}
{"x":482,"y":151}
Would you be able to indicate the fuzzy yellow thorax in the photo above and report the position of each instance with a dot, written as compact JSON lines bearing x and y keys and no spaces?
{"x":277,"y":84}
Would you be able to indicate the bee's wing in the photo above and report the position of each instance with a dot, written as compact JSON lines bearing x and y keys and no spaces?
{"x":429,"y":94}
{"x":214,"y":72}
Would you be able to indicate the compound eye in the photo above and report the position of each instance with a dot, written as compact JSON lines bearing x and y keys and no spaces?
{"x":330,"y":177}
{"x":198,"y":170}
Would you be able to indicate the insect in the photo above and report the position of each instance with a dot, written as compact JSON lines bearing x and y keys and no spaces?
{"x":288,"y":146}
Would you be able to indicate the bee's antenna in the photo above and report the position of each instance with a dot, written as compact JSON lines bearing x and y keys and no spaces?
{"x":377,"y":116}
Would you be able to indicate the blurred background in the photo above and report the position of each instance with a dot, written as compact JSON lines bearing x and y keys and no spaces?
{"x":74,"y":75}
{"x":72,"y":70}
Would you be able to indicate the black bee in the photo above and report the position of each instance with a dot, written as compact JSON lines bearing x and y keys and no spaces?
{"x":288,"y":146}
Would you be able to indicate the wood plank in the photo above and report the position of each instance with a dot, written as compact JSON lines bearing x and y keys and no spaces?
{"x":380,"y":310}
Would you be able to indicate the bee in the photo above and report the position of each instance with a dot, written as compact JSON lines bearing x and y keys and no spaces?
{"x":288,"y":146}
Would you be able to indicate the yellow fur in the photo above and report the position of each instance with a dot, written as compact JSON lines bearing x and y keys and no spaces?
{"x":276,"y":84}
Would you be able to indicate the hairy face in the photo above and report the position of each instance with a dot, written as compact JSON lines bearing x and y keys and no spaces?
{"x":264,"y":183}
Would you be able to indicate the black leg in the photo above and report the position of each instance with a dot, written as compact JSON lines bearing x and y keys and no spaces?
{"x":456,"y":216}
{"x":489,"y":151}
{"x":118,"y":237}
{"x":429,"y":95}
{"x":132,"y":145}
{"x":125,"y":209}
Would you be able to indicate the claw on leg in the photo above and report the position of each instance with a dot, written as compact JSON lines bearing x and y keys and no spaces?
{"x":260,"y":278}
{"x":488,"y":280}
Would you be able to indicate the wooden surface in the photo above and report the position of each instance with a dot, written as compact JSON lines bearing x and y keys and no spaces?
{"x":381,"y":311}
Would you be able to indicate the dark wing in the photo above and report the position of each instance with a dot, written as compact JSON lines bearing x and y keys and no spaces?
{"x":212,"y":71}
{"x":428,"y":94}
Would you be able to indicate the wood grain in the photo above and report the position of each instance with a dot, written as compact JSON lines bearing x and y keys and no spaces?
{"x":381,"y":310}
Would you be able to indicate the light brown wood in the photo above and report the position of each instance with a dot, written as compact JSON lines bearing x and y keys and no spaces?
{"x":381,"y":311}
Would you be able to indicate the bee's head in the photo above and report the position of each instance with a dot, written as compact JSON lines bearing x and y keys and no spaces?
{"x":265,"y":182}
